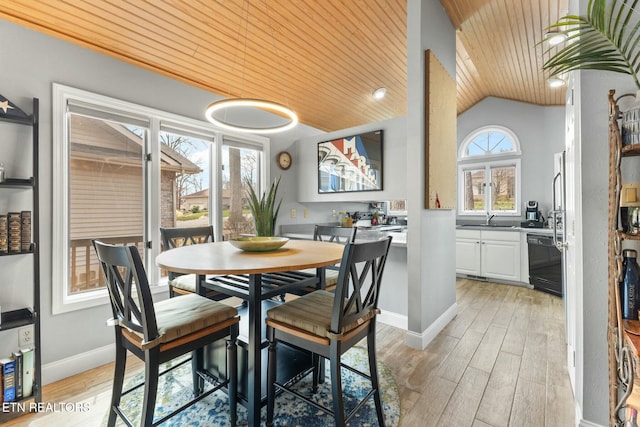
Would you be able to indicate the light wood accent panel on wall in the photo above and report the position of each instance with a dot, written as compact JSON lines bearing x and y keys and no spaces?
{"x":440,"y":135}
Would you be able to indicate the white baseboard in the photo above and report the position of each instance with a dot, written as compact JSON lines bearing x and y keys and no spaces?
{"x":60,"y":369}
{"x":581,"y":422}
{"x":393,"y":319}
{"x":421,"y":341}
{"x":578,"y":414}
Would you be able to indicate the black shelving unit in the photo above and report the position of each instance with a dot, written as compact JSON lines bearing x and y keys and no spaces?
{"x":27,"y":315}
{"x":17,"y":318}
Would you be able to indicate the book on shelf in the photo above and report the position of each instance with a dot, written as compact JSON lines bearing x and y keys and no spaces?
{"x":4,"y":234}
{"x":25,"y":231}
{"x":17,"y":357}
{"x":15,"y":243}
{"x":28,"y":366}
{"x":15,"y":232}
{"x":8,"y":370}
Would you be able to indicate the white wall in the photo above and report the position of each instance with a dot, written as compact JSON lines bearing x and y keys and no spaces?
{"x":300,"y":193}
{"x":595,"y":152}
{"x":393,"y":179}
{"x":592,"y":136}
{"x":430,"y":259}
{"x":540,"y":131}
{"x":317,"y":212}
{"x":298,"y":187}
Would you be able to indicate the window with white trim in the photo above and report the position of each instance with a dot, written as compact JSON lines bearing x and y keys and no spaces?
{"x":489,"y":173}
{"x":121,"y":171}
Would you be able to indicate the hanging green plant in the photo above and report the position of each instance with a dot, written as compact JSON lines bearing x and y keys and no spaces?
{"x":264,"y":208}
{"x":607,"y":39}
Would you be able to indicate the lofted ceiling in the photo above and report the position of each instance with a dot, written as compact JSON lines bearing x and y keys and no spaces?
{"x":321,"y":58}
{"x":498,"y":50}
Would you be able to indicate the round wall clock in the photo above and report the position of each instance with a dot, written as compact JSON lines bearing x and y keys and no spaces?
{"x":284,"y":160}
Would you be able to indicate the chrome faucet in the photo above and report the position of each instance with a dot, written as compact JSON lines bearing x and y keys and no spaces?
{"x":489,"y":218}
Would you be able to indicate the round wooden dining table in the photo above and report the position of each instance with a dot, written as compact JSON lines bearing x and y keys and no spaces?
{"x":221,"y":258}
{"x":224,"y":258}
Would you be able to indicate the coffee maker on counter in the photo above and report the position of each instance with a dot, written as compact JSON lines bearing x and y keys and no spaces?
{"x":533,"y":216}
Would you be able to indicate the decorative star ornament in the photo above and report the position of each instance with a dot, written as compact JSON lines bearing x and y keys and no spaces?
{"x":4,"y":105}
{"x":10,"y":110}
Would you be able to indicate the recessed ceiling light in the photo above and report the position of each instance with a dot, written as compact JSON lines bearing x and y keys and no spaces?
{"x":556,"y":82}
{"x":379,"y":93}
{"x":554,"y":37}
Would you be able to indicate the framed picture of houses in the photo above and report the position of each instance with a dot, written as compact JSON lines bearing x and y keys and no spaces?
{"x":349,"y":164}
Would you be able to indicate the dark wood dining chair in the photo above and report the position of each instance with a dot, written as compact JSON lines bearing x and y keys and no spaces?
{"x":179,"y":283}
{"x":160,"y":332}
{"x":328,"y":233}
{"x":328,"y":324}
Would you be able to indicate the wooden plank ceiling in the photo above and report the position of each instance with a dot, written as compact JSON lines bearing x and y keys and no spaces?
{"x":498,"y":52}
{"x":323,"y":59}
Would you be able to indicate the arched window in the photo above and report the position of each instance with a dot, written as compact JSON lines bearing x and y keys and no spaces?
{"x":489,"y":172}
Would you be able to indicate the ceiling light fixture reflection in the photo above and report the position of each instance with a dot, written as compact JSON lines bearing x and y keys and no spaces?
{"x":227,"y":104}
{"x":555,"y":38}
{"x":556,"y":82}
{"x":379,"y":93}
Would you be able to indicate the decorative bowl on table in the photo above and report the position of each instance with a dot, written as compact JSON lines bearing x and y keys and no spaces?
{"x":258,"y":243}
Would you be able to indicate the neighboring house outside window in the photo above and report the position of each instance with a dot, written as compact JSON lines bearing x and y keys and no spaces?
{"x":196,"y":201}
{"x":106,"y":191}
{"x":489,"y":173}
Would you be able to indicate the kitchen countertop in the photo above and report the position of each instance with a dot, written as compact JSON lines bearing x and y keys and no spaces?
{"x":305,"y":231}
{"x":530,"y":230}
{"x":546,"y":231}
{"x":399,"y":239}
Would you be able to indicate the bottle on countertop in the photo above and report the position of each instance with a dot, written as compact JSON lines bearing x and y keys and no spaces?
{"x":3,"y":177}
{"x":630,"y":285}
{"x":346,"y":220}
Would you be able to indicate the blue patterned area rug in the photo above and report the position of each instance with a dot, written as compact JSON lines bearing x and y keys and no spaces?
{"x":290,"y":412}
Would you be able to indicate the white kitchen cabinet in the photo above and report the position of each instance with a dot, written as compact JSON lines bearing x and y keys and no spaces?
{"x":488,"y":253}
{"x":468,"y":252}
{"x":500,"y":255}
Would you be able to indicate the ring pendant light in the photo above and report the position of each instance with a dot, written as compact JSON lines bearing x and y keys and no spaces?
{"x":228,"y":104}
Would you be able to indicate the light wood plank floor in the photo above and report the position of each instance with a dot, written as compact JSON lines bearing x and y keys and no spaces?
{"x":500,"y":362}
